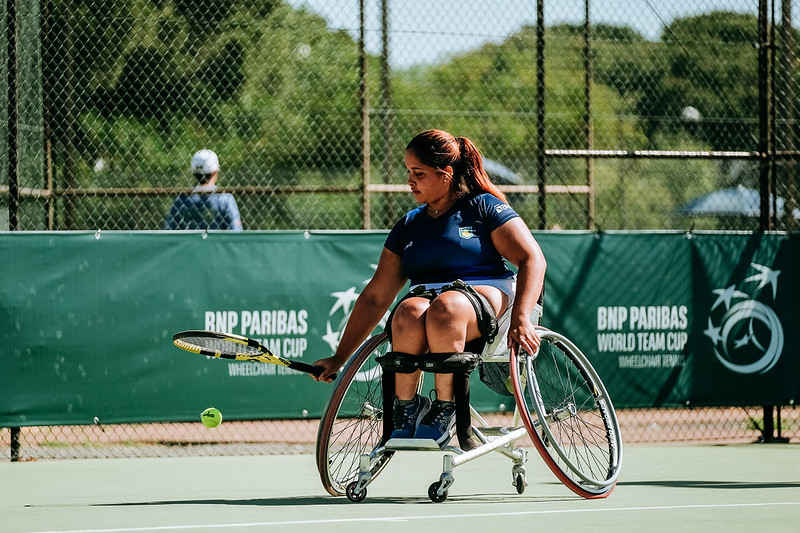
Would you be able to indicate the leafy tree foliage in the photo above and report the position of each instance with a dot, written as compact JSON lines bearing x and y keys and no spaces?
{"x":277,"y":90}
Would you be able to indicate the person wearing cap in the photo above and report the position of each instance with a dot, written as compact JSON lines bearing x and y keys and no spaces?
{"x":204,"y":208}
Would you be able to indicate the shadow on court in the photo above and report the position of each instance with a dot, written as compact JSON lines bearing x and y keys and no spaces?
{"x":303,"y":501}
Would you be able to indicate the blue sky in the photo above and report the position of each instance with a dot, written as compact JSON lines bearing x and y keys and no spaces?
{"x":430,"y":31}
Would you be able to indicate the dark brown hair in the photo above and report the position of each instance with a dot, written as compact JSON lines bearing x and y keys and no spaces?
{"x":439,"y":149}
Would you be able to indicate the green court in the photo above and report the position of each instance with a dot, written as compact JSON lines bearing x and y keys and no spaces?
{"x":743,"y":487}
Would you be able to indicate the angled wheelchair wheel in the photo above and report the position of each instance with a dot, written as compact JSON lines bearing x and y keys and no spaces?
{"x":568,"y":414}
{"x":352,"y":423}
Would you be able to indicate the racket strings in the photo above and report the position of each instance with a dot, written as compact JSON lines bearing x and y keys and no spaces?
{"x":221,"y":345}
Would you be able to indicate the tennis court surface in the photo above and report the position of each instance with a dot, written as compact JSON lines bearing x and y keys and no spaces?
{"x":742,"y":487}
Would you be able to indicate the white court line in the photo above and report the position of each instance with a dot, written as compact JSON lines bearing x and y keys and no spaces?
{"x":420,"y":517}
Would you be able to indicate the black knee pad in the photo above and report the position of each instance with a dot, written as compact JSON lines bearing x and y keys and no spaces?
{"x":438,"y":363}
{"x":450,"y":363}
{"x":399,"y":362}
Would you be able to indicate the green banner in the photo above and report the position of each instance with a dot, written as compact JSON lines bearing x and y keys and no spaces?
{"x":746,"y":343}
{"x":626,"y":300}
{"x":87,"y":319}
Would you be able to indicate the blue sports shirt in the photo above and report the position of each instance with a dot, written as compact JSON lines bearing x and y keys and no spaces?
{"x":456,"y":245}
{"x":204,"y":209}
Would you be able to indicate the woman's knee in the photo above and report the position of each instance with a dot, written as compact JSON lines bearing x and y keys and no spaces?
{"x":409,"y":315}
{"x":448,"y":307}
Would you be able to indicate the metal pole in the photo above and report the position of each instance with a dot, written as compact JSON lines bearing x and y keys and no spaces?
{"x":765,"y":150}
{"x":46,"y":121}
{"x":15,"y":446}
{"x":387,"y":147}
{"x":364,"y":103}
{"x":71,"y":135}
{"x":588,"y":123}
{"x":788,"y":134}
{"x":13,"y":116}
{"x":764,"y":114}
{"x":541,"y":145}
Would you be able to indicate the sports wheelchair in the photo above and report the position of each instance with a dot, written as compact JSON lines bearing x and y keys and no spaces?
{"x":560,"y":403}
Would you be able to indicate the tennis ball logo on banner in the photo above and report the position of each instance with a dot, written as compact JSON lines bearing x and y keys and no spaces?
{"x":746,"y":334}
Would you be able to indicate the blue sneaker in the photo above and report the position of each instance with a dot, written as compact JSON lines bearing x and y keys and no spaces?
{"x":406,"y":417}
{"x":438,"y":423}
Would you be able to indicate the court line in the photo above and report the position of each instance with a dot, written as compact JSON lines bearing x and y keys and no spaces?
{"x":422,"y":517}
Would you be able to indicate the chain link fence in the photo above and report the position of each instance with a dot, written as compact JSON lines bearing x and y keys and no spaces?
{"x":592,"y":115}
{"x":255,"y":437}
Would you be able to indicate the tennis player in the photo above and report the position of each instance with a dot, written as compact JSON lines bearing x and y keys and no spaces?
{"x":464,"y":229}
{"x":204,"y":208}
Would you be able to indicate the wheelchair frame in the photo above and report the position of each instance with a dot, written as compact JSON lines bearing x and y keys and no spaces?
{"x":560,"y":403}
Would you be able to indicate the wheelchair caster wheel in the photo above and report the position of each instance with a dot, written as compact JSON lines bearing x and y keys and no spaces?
{"x":354,"y":496}
{"x":519,"y":483}
{"x":433,"y":493}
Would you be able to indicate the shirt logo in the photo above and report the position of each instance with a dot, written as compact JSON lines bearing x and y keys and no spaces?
{"x":502,"y":207}
{"x":466,"y":233}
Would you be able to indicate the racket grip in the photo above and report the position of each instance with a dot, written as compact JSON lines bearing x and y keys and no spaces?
{"x":309,"y":369}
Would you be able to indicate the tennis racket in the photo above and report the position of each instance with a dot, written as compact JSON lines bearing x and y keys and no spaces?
{"x":230,"y":346}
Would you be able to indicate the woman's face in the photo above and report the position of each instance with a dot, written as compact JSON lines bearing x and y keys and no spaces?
{"x":427,"y":183}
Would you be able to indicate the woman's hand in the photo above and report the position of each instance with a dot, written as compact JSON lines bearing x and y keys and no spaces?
{"x":330,"y":366}
{"x":523,"y":333}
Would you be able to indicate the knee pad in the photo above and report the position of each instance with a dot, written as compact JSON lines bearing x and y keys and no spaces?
{"x":399,"y":362}
{"x":438,"y":363}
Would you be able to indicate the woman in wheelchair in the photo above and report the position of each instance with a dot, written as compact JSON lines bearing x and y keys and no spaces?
{"x":464,"y":229}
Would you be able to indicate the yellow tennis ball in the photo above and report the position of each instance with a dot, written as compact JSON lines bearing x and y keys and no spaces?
{"x":211,"y":417}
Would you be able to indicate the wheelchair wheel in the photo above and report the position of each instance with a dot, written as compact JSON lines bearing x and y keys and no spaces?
{"x":352,"y":423}
{"x":569,"y":415}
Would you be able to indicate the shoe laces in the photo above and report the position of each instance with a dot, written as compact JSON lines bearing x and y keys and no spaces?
{"x":440,"y":411}
{"x":402,"y":414}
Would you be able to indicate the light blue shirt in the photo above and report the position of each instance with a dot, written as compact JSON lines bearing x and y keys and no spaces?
{"x":204,"y":208}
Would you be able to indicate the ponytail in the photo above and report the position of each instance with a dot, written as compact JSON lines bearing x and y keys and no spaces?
{"x":475,"y":177}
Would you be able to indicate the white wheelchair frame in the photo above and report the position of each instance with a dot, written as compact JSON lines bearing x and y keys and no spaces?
{"x":560,"y":403}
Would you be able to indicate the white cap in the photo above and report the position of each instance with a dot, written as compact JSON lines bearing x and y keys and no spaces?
{"x":204,"y":162}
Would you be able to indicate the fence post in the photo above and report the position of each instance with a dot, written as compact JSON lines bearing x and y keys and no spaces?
{"x":13,"y":116}
{"x":765,"y":148}
{"x":541,"y":145}
{"x":15,"y":444}
{"x":363,"y":92}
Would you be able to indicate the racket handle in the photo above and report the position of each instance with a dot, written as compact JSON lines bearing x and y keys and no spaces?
{"x":309,"y":369}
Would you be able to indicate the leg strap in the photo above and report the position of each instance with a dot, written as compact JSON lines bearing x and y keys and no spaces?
{"x":438,"y":363}
{"x":459,"y":364}
{"x":487,"y":321}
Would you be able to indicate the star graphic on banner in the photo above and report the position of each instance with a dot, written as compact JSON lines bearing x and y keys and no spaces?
{"x":331,"y":337}
{"x":712,"y":332}
{"x":726,"y":295}
{"x":344,"y":300}
{"x":765,"y":275}
{"x":744,"y":341}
